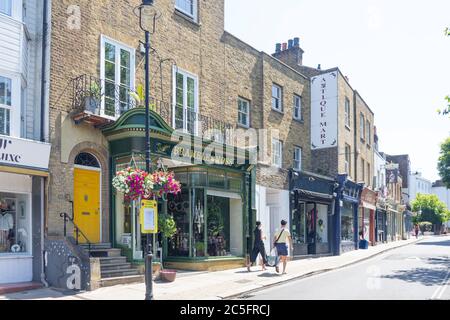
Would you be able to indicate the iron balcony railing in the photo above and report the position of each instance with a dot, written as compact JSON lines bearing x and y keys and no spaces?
{"x":102,"y":98}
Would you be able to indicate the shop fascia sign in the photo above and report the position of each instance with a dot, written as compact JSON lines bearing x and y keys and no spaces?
{"x":324,"y":111}
{"x":369,"y":199}
{"x":24,"y":153}
{"x":187,"y":154}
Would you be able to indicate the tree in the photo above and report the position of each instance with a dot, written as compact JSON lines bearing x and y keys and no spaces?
{"x":444,"y":162}
{"x":430,"y":209}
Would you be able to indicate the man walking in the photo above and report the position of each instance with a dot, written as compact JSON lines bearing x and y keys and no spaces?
{"x":280,"y":242}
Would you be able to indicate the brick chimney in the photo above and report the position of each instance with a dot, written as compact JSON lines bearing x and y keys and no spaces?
{"x":290,"y":53}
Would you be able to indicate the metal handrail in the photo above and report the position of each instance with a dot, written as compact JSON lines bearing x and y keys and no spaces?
{"x":78,"y":231}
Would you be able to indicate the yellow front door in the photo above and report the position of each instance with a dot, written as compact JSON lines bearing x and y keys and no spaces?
{"x":87,"y":204}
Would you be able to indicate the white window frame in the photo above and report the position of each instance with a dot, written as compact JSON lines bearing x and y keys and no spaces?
{"x":347,"y":113}
{"x":15,"y":107}
{"x":298,"y":153}
{"x":279,"y":98}
{"x":368,"y":132}
{"x":119,"y":46}
{"x":348,"y":162}
{"x":246,"y":125}
{"x":193,"y":15}
{"x":362,"y":126}
{"x":16,"y":10}
{"x":185,"y":74}
{"x":298,"y":107}
{"x":277,"y":151}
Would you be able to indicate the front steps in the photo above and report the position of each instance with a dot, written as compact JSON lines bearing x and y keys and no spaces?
{"x":114,"y":267}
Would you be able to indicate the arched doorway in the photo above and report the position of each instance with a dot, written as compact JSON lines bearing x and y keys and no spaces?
{"x":87,"y":197}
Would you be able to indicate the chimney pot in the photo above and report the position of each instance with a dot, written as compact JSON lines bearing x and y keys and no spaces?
{"x":296,"y":42}
{"x":319,"y":67}
{"x":290,"y":44}
{"x":284,"y":46}
{"x":278,"y":48}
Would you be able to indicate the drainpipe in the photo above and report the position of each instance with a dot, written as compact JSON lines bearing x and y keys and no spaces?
{"x":42,"y":134}
{"x":44,"y":67}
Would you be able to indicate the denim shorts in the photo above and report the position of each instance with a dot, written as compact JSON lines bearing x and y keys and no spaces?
{"x":282,"y":249}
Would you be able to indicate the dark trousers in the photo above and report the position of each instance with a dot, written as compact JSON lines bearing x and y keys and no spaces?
{"x":258,"y":249}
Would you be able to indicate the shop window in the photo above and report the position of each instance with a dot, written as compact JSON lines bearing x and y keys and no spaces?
{"x":235,"y":184}
{"x":15,"y":232}
{"x":347,"y":228}
{"x":322,"y":223}
{"x":218,"y":226}
{"x":178,"y":207}
{"x":198,"y":223}
{"x":299,"y":224}
{"x":216,"y":179}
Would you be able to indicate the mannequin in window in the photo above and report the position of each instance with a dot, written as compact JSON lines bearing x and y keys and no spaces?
{"x":6,"y":227}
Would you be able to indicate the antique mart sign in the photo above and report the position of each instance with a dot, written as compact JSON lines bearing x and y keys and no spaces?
{"x":149,"y":217}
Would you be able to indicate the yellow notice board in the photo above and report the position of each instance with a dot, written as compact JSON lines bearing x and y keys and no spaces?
{"x":149,"y":216}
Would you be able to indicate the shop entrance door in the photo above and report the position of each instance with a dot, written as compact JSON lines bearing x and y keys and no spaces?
{"x":87,"y":203}
{"x":311,"y":227}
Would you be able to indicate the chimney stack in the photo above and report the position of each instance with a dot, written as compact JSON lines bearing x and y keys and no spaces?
{"x":319,"y":67}
{"x":290,"y":52}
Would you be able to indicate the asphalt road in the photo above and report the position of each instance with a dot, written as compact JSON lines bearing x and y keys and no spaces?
{"x":417,"y":272}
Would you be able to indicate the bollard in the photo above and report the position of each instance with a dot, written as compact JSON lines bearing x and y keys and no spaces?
{"x":148,"y":277}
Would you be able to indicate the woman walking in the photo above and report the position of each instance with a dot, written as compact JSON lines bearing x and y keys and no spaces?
{"x":280,"y":242}
{"x":258,"y":248}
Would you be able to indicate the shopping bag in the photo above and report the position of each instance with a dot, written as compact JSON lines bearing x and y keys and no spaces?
{"x":273,"y":259}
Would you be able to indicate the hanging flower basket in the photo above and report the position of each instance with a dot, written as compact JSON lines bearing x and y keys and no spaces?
{"x":137,"y":184}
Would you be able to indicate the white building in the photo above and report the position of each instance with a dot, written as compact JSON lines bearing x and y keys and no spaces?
{"x":24,"y":155}
{"x":418,"y":184}
{"x":443,"y":194}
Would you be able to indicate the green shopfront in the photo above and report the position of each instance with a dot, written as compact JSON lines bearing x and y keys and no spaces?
{"x":213,"y":210}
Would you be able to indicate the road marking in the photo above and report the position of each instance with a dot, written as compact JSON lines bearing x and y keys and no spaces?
{"x":440,"y":291}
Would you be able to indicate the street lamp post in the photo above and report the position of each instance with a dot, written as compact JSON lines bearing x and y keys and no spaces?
{"x":147,"y":11}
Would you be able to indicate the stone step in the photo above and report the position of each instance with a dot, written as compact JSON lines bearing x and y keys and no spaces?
{"x":98,"y":253}
{"x":108,"y":282}
{"x":115,"y":266}
{"x":104,"y":261}
{"x":97,"y":246}
{"x":119,"y":273}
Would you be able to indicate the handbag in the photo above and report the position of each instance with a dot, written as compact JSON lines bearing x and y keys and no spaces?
{"x":273,"y":259}
{"x":279,"y":236}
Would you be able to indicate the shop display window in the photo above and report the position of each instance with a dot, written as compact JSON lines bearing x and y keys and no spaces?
{"x":299,"y":224}
{"x":218,"y":226}
{"x":178,"y":206}
{"x":15,"y":232}
{"x":322,"y":223}
{"x":347,"y":228}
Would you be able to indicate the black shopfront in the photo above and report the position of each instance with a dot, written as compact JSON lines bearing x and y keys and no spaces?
{"x":312,"y":208}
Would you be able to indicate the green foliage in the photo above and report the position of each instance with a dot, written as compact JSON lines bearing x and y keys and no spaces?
{"x":139,"y":97}
{"x":446,"y":110}
{"x":433,"y":210}
{"x":95,"y":91}
{"x":444,"y":162}
{"x":167,"y":225}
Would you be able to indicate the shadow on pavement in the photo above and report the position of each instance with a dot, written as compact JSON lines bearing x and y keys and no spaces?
{"x":269,"y":275}
{"x":437,"y":243}
{"x":425,"y":276}
{"x":40,"y":294}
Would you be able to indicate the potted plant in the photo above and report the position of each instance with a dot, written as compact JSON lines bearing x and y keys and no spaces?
{"x":93,"y":98}
{"x":168,"y":229}
{"x":200,"y":249}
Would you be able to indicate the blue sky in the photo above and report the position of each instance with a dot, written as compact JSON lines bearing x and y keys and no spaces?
{"x":393,"y":51}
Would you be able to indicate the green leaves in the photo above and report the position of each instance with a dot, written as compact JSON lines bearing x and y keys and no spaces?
{"x":444,"y":162}
{"x":431,"y":208}
{"x":167,"y":225}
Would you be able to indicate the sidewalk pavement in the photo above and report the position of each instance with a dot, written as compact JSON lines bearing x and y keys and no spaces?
{"x":228,"y":284}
